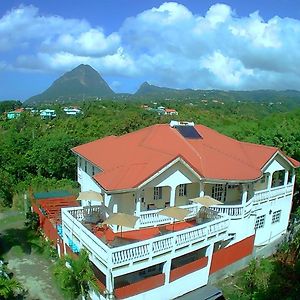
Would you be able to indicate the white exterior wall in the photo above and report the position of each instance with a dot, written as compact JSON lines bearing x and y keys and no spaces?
{"x":278,"y":199}
{"x":270,"y":231}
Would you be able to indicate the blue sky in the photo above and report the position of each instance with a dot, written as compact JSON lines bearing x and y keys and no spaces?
{"x":240,"y":45}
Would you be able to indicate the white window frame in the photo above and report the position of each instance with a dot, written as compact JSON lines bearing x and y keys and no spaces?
{"x":157,"y":193}
{"x":182,"y":190}
{"x":276,"y":216}
{"x":260,"y":222}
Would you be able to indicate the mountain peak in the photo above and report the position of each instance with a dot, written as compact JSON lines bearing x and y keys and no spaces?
{"x":82,"y":81}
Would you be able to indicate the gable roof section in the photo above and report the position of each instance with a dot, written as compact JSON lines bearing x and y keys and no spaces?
{"x":129,"y":160}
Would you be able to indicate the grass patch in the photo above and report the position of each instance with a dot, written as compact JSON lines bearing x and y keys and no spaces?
{"x":13,"y":218}
{"x":263,"y":279}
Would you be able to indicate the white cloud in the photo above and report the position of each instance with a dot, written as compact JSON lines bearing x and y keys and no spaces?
{"x":227,"y":70}
{"x":167,"y":45}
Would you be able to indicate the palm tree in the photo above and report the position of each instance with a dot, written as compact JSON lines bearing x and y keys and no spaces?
{"x":9,"y":287}
{"x":76,"y":276}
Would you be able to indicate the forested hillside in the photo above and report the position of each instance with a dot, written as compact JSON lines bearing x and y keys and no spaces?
{"x":35,"y":151}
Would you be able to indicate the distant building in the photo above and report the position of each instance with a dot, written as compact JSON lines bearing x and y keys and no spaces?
{"x":171,"y":112}
{"x":72,"y":111}
{"x":47,"y":113}
{"x":14,"y":114}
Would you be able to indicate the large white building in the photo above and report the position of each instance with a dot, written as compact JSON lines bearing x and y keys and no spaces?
{"x":143,"y":172}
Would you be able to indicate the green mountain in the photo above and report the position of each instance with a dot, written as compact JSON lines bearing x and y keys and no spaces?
{"x":153,"y":92}
{"x":80,"y":83}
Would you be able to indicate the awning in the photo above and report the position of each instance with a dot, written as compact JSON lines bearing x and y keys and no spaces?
{"x":174,"y":212}
{"x":91,"y":196}
{"x":121,"y":219}
{"x":206,"y":201}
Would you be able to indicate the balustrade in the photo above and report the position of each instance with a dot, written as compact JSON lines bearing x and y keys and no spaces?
{"x":151,"y":217}
{"x":271,"y":194}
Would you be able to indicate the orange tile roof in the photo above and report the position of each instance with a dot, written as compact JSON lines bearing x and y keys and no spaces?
{"x":129,"y":160}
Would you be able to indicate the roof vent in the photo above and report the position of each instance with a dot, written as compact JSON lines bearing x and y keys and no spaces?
{"x":186,"y":129}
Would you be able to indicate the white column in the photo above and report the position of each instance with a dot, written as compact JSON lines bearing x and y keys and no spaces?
{"x":269,"y":181}
{"x":286,"y":177}
{"x":107,"y":199}
{"x":172,"y":196}
{"x":137,"y":203}
{"x":138,"y":207}
{"x":245,"y":194}
{"x":167,"y":270}
{"x":293,"y":178}
{"x":201,"y":192}
{"x":109,"y":285}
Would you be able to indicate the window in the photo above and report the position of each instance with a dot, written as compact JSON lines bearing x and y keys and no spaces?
{"x":278,"y":178}
{"x":182,"y":190}
{"x":276,"y":216}
{"x":260,"y":222}
{"x":219,"y":192}
{"x":80,"y":162}
{"x":85,"y":166}
{"x":158,"y":193}
{"x":93,"y":170}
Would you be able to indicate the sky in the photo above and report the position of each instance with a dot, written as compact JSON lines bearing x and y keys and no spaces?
{"x":198,"y":44}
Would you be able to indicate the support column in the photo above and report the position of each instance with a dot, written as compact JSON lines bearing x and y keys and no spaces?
{"x":109,"y":285}
{"x":245,"y":194}
{"x":269,"y":181}
{"x":172,"y":196}
{"x":138,"y":207}
{"x":138,"y":203}
{"x":167,"y":270}
{"x":201,"y":191}
{"x":107,"y":199}
{"x":293,"y":178}
{"x":286,"y":177}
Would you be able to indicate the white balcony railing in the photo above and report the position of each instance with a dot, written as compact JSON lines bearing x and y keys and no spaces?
{"x":229,"y":210}
{"x":104,"y":255}
{"x":263,"y":196}
{"x":151,"y":217}
{"x":172,"y":241}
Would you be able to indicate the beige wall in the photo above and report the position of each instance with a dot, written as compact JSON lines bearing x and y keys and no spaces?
{"x":234,"y":195}
{"x":192,"y":191}
{"x":124,"y":201}
{"x":149,"y":197}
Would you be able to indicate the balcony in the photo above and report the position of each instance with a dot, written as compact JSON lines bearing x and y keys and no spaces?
{"x":142,"y":252}
{"x":152,"y":218}
{"x":264,"y":196}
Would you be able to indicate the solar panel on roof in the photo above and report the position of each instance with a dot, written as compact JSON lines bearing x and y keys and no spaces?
{"x":188,"y":132}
